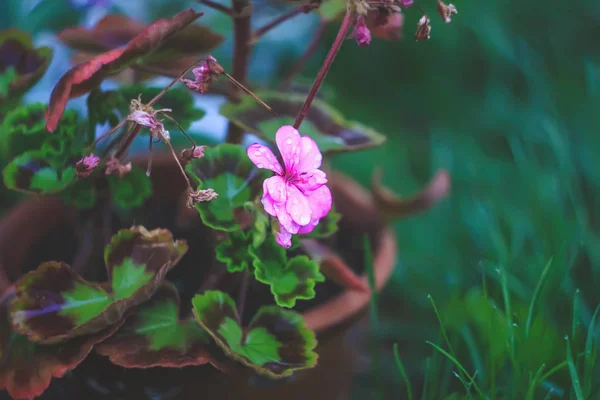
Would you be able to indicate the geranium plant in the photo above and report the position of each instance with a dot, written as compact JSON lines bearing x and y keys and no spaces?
{"x":135,"y":290}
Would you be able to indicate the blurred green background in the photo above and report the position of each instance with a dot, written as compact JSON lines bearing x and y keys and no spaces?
{"x":507,"y":99}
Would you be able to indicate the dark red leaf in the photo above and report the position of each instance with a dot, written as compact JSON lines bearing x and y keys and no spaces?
{"x":85,"y":76}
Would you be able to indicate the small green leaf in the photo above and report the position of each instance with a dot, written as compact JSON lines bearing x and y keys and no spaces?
{"x":234,"y":251}
{"x":32,"y":172}
{"x":228,"y":170}
{"x":54,"y":303}
{"x":81,"y":194}
{"x":8,"y":76}
{"x":261,"y":228}
{"x":290,"y":280}
{"x":275,"y":343}
{"x":323,"y":124}
{"x":132,"y":189}
{"x":23,"y":129}
{"x":326,"y":226}
{"x":26,"y":368}
{"x":155,"y":336}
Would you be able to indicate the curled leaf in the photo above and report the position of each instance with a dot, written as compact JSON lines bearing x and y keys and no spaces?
{"x":26,"y":368}
{"x":27,"y":64}
{"x":53,"y":303}
{"x":85,"y":76}
{"x":32,"y":172}
{"x":275,"y":344}
{"x":325,"y":125}
{"x":155,"y":336}
{"x":290,"y":280}
{"x":333,"y":266}
{"x":234,"y":251}
{"x":397,"y":207}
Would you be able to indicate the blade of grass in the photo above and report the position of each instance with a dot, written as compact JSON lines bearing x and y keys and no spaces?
{"x":576,"y":313}
{"x":466,"y":385}
{"x":536,"y":294}
{"x":590,"y":355}
{"x":460,"y":367}
{"x":426,"y":380}
{"x":533,"y":383}
{"x":573,"y":373}
{"x":402,"y":372}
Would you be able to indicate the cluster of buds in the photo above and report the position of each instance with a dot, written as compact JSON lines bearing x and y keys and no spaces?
{"x":86,"y":165}
{"x":204,"y":75}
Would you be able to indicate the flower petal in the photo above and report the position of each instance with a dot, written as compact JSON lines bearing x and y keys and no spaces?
{"x":310,"y":155}
{"x":143,"y":118}
{"x":298,"y":206}
{"x":320,"y":202}
{"x":311,"y":180}
{"x":285,"y":219}
{"x":263,"y":157}
{"x":288,"y":142}
{"x":267,"y":201}
{"x":283,"y":238}
{"x":276,"y":187}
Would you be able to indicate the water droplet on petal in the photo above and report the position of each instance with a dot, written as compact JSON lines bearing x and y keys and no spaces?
{"x":318,"y":157}
{"x":257,"y":153}
{"x":271,"y":166}
{"x":305,"y":219}
{"x":259,"y":165}
{"x":288,"y":141}
{"x":262,"y":150}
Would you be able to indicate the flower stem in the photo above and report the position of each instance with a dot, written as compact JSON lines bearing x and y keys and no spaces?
{"x":241,"y":57}
{"x":341,"y":36}
{"x":243,"y":294}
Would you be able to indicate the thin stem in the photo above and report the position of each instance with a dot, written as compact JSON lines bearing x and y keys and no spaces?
{"x":335,"y":47}
{"x":312,"y":47}
{"x":149,"y":168}
{"x":303,"y":9}
{"x":246,"y":90}
{"x":128,"y":140}
{"x":243,"y":294}
{"x":216,"y":6}
{"x":241,"y":56}
{"x":173,"y":82}
{"x":178,"y":163}
{"x":188,"y":137}
{"x":104,"y":135}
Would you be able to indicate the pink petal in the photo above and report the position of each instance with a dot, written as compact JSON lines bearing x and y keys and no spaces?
{"x":283,"y":238}
{"x":298,"y":206}
{"x":320,"y":202}
{"x":310,"y":156}
{"x":288,"y":142}
{"x":263,"y":157}
{"x":276,"y":187}
{"x":267,"y":201}
{"x":311,"y":180}
{"x":310,"y":227}
{"x":285,"y":219}
{"x":143,"y":118}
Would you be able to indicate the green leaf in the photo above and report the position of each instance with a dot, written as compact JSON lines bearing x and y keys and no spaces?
{"x":32,"y":172}
{"x":132,"y":189}
{"x":275,"y":343}
{"x":323,"y":124}
{"x":155,"y":336}
{"x":23,"y":129}
{"x":228,"y":170}
{"x":27,"y":63}
{"x":26,"y":368}
{"x":81,"y":194}
{"x":332,"y":10}
{"x":234,"y":251}
{"x":290,"y":280}
{"x":54,"y":303}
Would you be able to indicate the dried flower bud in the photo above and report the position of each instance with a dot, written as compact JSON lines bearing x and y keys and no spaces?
{"x":446,"y":11}
{"x":423,"y":29}
{"x":385,"y":24}
{"x":361,"y":32}
{"x":114,"y":167}
{"x":204,"y":75}
{"x":146,"y":116}
{"x":86,"y":165}
{"x":200,"y":196}
{"x":195,"y":152}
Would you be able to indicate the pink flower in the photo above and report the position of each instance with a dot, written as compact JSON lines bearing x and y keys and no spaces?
{"x":204,"y":75}
{"x":86,"y":165}
{"x":361,"y":32}
{"x":297,"y":194}
{"x":150,"y":121}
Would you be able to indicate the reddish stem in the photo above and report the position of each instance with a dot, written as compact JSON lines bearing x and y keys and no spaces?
{"x":341,"y":36}
{"x":241,"y":56}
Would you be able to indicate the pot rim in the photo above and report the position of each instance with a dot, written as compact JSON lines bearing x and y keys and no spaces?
{"x":50,"y":209}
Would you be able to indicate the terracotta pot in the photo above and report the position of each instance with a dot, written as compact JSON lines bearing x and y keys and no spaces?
{"x":34,"y":218}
